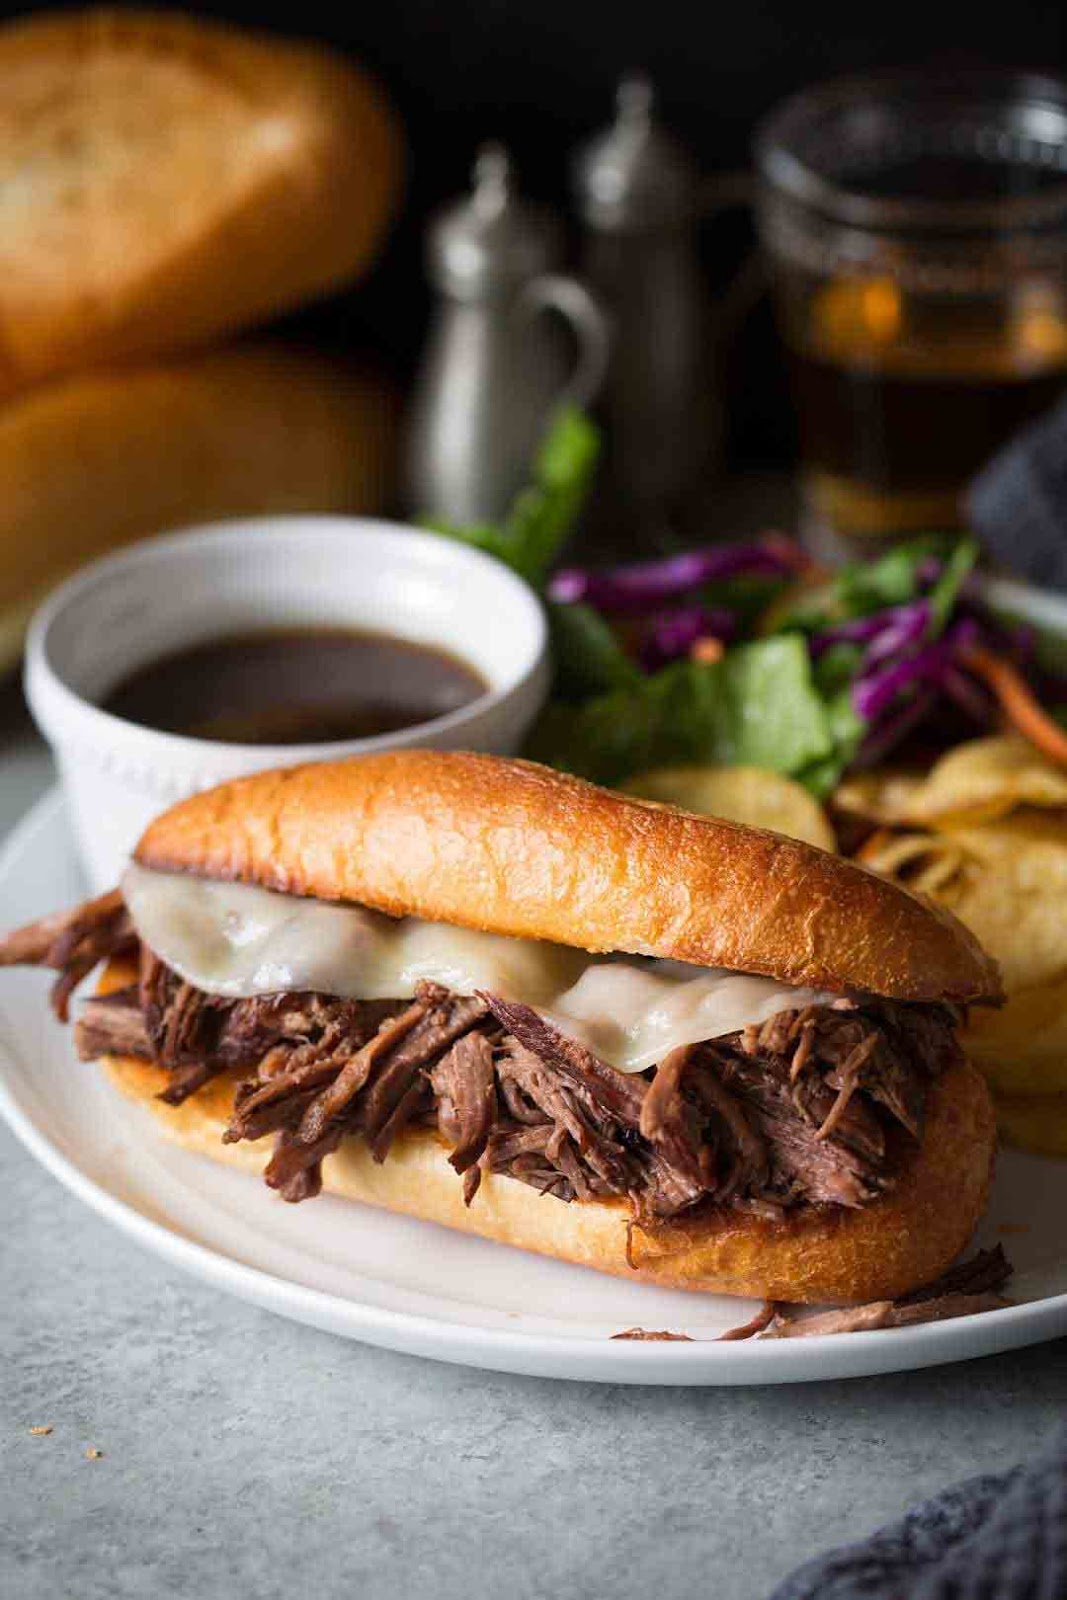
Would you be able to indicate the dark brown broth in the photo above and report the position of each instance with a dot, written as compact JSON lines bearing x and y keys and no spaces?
{"x":295,"y":686}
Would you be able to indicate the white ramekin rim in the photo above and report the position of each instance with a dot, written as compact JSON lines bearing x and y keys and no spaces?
{"x":67,"y":716}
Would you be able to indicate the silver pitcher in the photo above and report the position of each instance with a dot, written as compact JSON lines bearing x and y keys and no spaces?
{"x":495,"y":364}
{"x":642,"y":201}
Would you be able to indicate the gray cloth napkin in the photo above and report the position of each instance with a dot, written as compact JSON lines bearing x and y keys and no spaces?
{"x":1000,"y":1537}
{"x":1018,"y":503}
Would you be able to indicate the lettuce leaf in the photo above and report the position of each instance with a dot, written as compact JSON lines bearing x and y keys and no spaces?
{"x":946,"y":591}
{"x":759,"y":706}
{"x":542,"y":516}
{"x":891,"y":580}
{"x":894,"y":579}
{"x":587,"y":657}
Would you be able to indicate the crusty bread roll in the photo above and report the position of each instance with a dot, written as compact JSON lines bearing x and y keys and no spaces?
{"x":170,"y":178}
{"x":90,"y":462}
{"x":522,"y":850}
{"x":518,"y":849}
{"x":903,"y":1239}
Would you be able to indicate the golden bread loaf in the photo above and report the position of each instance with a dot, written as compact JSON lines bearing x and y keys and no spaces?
{"x":168,"y":179}
{"x":94,"y":461}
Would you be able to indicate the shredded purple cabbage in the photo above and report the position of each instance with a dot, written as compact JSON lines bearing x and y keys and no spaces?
{"x":858,"y":630}
{"x":885,"y":632}
{"x":905,"y":626}
{"x":637,"y":589}
{"x":672,"y":634}
{"x":892,"y":729}
{"x":875,"y":691}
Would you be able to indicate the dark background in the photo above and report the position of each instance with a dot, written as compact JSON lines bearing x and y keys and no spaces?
{"x":540,"y":74}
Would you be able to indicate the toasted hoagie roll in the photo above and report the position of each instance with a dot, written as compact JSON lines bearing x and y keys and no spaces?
{"x":492,"y":996}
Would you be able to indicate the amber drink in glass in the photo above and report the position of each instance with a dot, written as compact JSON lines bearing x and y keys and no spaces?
{"x":916,"y":233}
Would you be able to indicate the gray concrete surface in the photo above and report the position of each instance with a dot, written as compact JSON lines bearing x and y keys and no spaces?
{"x":246,"y":1456}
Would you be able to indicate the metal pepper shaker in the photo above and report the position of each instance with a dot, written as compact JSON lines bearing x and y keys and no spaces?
{"x":640,"y":199}
{"x":495,"y":365}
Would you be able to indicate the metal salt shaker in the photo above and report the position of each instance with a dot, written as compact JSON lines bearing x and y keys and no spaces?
{"x":495,"y":366}
{"x":641,"y":199}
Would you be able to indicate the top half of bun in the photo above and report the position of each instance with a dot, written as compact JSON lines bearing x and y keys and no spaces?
{"x":519,"y":849}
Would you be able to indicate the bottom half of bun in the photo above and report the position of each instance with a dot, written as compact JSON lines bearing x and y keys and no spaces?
{"x":815,"y":1254}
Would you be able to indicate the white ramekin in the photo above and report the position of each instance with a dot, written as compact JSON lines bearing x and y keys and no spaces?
{"x":156,"y":597}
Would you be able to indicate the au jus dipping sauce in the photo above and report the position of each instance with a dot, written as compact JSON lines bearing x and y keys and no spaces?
{"x":295,"y":686}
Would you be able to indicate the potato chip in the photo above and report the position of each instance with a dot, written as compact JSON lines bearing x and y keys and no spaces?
{"x":740,"y":794}
{"x":881,"y":796}
{"x":977,"y":781}
{"x":1022,"y":1048}
{"x":1007,"y":880}
{"x":926,"y":862}
{"x":1038,"y":1122}
{"x":1011,"y":891}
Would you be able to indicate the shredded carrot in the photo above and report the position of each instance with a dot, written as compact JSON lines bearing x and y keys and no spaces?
{"x":707,"y":650}
{"x":874,"y":844}
{"x":1017,"y":702}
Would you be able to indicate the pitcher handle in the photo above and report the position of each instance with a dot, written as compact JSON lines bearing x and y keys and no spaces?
{"x":587,"y":321}
{"x":725,"y":192}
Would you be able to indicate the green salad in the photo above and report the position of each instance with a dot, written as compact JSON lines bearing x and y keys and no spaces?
{"x":746,"y":653}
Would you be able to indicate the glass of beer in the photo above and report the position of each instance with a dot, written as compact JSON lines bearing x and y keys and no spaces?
{"x":916,"y":231}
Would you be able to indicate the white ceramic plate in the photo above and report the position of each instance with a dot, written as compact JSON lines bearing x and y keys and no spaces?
{"x":416,"y":1287}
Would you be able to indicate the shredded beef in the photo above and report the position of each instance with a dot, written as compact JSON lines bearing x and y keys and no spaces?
{"x":985,"y":1273}
{"x":112,"y":1025}
{"x":969,"y":1287}
{"x":397,"y":1092}
{"x":196,"y":1035}
{"x":809,"y":1107}
{"x":373,"y":1086}
{"x":601,"y":1108}
{"x":845,"y":1168}
{"x":883,"y":1314}
{"x":755,"y":1325}
{"x":72,"y":943}
{"x":661,"y":1335}
{"x":675,"y":1125}
{"x":317,"y":1052}
{"x":790,"y":1324}
{"x":616,"y":1093}
{"x":464,"y":1085}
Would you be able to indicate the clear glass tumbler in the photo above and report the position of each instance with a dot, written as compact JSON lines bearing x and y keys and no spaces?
{"x":916,"y":232}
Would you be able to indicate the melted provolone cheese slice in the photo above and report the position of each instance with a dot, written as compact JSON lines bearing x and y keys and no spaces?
{"x":632,"y":1015}
{"x":235,"y":939}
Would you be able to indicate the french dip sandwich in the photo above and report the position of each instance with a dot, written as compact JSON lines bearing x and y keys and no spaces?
{"x":496,"y":997}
